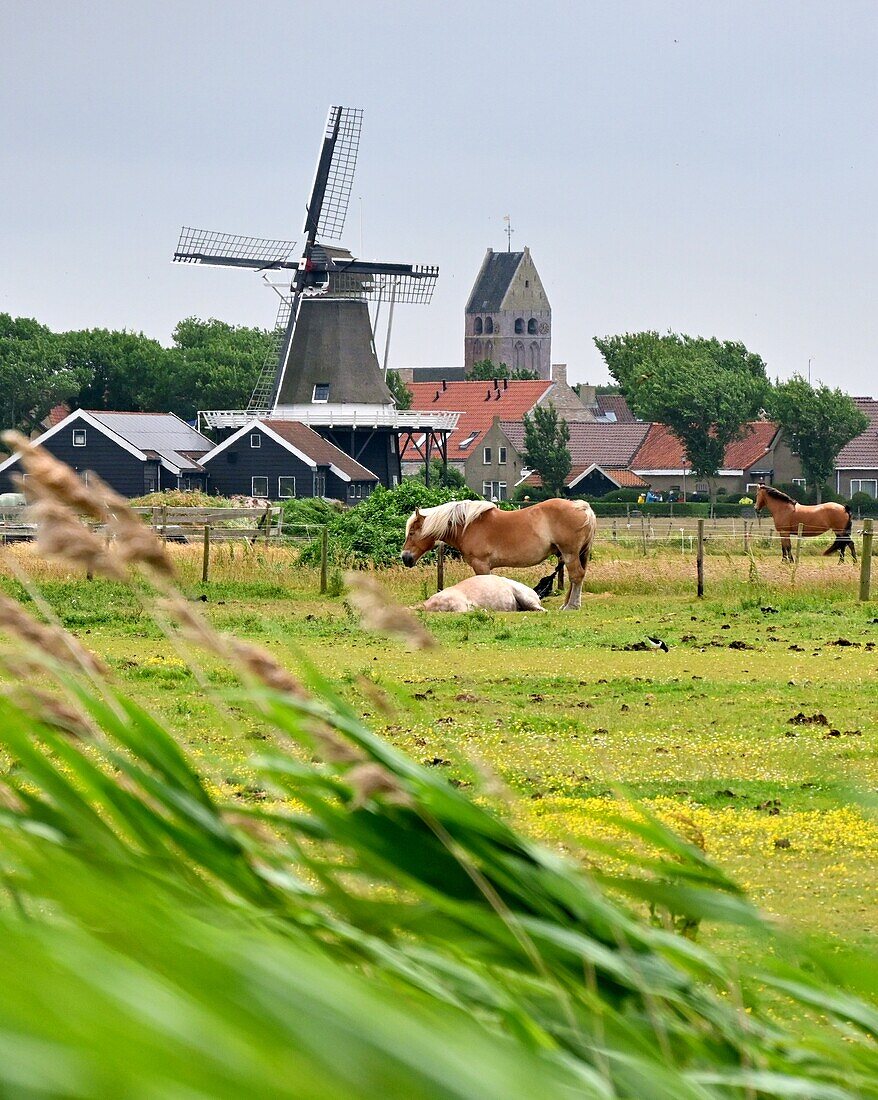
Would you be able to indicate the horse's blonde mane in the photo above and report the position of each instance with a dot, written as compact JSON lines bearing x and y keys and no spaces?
{"x":438,"y":521}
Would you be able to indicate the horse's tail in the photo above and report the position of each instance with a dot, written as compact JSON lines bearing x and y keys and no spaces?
{"x":592,"y":523}
{"x":843,"y":539}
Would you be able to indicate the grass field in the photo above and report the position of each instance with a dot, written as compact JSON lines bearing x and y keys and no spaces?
{"x":751,"y":734}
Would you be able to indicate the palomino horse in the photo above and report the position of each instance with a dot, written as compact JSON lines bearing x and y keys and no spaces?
{"x":490,"y":592}
{"x":487,"y":537}
{"x":814,"y":518}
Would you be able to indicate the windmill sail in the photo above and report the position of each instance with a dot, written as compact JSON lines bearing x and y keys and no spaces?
{"x":330,"y":195}
{"x":203,"y":246}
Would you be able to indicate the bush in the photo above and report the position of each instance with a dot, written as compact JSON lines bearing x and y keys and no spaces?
{"x":374,"y":531}
{"x":308,"y":512}
{"x":622,"y":495}
{"x":450,"y":477}
{"x":861,"y":504}
{"x":181,"y":498}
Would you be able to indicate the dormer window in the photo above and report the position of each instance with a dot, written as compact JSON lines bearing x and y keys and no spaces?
{"x":321,"y":393}
{"x":256,"y":440}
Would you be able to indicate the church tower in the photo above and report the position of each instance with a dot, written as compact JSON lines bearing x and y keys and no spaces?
{"x":508,"y":317}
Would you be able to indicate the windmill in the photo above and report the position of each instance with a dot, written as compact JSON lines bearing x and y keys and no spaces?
{"x":323,"y":349}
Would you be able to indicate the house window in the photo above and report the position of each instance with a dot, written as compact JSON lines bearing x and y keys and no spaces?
{"x":501,"y":455}
{"x":800,"y":481}
{"x":752,"y":488}
{"x":320,"y":485}
{"x":259,"y":487}
{"x":532,"y":327}
{"x":486,"y":456}
{"x":702,"y":487}
{"x":321,"y":393}
{"x":865,"y":485}
{"x":494,"y":490}
{"x":256,"y":440}
{"x":477,"y":327}
{"x":286,"y":487}
{"x":79,"y":437}
{"x":519,"y":326}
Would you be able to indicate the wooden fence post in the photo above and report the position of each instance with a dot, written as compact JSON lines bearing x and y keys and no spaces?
{"x":866,"y":561}
{"x":205,"y":560}
{"x":164,"y":521}
{"x":699,"y":561}
{"x":615,"y":536}
{"x":324,"y":561}
{"x":267,"y":519}
{"x":799,"y":541}
{"x":643,"y":533}
{"x":440,"y":567}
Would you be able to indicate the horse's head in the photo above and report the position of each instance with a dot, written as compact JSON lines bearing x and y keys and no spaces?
{"x":761,"y":498}
{"x":416,"y":542}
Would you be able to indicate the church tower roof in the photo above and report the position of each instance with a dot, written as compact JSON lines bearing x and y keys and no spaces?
{"x":493,"y":281}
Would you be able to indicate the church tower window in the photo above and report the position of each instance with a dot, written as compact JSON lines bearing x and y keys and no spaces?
{"x":532,"y":327}
{"x":489,"y":325}
{"x":477,"y":326}
{"x":535,"y":357}
{"x":519,"y":326}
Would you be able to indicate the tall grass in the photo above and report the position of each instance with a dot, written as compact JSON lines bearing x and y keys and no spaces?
{"x":367,"y":930}
{"x":364,"y":929}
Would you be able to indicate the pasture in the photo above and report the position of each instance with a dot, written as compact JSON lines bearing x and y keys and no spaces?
{"x":755,"y":734}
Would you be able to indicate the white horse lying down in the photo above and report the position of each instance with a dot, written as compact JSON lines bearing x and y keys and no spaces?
{"x":487,"y":591}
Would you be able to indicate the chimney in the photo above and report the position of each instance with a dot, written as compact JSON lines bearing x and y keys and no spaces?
{"x":496,"y":384}
{"x":505,"y":383}
{"x":436,"y":398}
{"x":559,"y":373}
{"x":497,"y":395}
{"x":444,"y":384}
{"x":488,"y":394}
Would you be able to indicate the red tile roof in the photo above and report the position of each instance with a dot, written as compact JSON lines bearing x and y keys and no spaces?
{"x":478,"y":403}
{"x":323,"y":452}
{"x":662,"y":450}
{"x":591,"y":442}
{"x":862,"y":453}
{"x":615,"y":403}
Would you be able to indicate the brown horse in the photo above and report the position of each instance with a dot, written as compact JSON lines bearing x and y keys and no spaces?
{"x":814,"y":518}
{"x":488,"y":537}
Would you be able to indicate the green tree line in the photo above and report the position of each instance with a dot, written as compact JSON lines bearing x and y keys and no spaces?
{"x":210,"y":364}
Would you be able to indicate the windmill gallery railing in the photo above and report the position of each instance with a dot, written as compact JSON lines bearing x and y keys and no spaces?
{"x":342,"y":417}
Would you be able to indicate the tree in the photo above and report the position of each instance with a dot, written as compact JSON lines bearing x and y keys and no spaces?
{"x":401,"y":393}
{"x":703,"y":390}
{"x":448,"y":477}
{"x":34,"y":374}
{"x":212,"y":365}
{"x":546,"y":436}
{"x":485,"y":370}
{"x":120,"y":370}
{"x":816,"y":423}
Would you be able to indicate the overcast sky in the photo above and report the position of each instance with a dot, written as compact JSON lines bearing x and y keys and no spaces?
{"x":703,"y":167}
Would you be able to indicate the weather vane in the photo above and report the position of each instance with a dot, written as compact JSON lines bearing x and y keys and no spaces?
{"x":508,"y":231}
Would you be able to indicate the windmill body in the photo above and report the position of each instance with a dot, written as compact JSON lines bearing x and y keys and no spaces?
{"x":322,"y":367}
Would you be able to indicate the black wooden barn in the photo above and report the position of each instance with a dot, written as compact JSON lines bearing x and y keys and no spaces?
{"x":278,"y":459}
{"x":135,"y":453}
